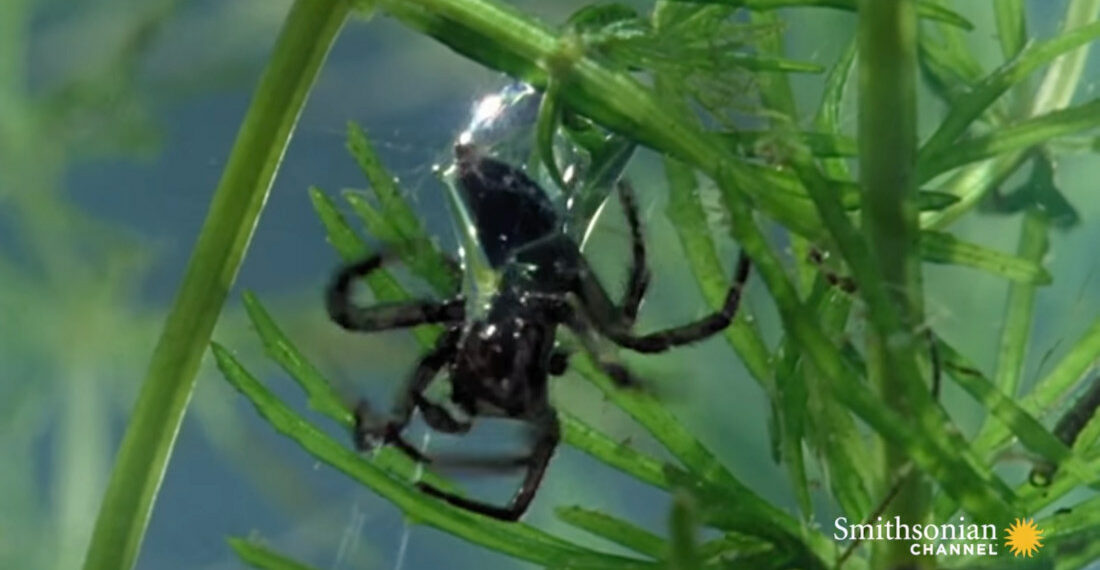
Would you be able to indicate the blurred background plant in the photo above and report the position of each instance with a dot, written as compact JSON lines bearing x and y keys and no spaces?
{"x":79,"y":105}
{"x":115,"y":121}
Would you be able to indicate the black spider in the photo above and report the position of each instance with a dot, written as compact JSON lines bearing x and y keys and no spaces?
{"x":498,"y":363}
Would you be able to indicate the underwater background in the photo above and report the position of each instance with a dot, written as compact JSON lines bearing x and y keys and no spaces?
{"x":116,"y":118}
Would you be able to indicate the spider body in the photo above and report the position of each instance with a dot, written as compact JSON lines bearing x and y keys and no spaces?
{"x":509,"y":209}
{"x":499,"y":362}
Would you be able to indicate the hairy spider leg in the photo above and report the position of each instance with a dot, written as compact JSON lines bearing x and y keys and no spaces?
{"x":343,"y":310}
{"x":637,"y":285}
{"x":389,"y":431}
{"x":594,"y":300}
{"x":639,"y":271}
{"x":559,"y":362}
{"x":548,"y":435}
{"x":580,"y":324}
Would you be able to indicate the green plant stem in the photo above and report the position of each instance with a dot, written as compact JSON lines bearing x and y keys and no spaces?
{"x":307,"y":34}
{"x":498,"y":37}
{"x":887,"y":36}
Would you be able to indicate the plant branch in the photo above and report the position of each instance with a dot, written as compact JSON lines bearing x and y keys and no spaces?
{"x":307,"y":34}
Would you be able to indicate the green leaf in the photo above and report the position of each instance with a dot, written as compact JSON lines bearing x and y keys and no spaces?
{"x":827,"y":119}
{"x":925,"y":8}
{"x":1011,"y":18}
{"x":734,"y":547}
{"x":969,"y":185}
{"x":548,"y":118}
{"x":1018,"y":137}
{"x":614,"y":529}
{"x":514,"y":539}
{"x":986,"y":91}
{"x":1082,"y":518}
{"x":922,"y":437}
{"x":402,"y":229}
{"x":351,"y":248}
{"x":597,"y":17}
{"x":308,"y":32}
{"x":949,"y":68}
{"x":683,"y":548}
{"x":339,"y":234}
{"x":685,"y":211}
{"x":1023,"y":425}
{"x":791,"y":394}
{"x":322,"y":397}
{"x":374,"y":220}
{"x":260,"y":556}
{"x":756,"y":63}
{"x":400,"y":215}
{"x":1020,"y":308}
{"x":942,"y":247}
{"x":756,"y":143}
{"x":655,"y":418}
{"x":1054,"y":386}
{"x":720,"y":508}
{"x":937,"y":450}
{"x":614,"y":453}
{"x":645,"y":409}
{"x":833,"y":431}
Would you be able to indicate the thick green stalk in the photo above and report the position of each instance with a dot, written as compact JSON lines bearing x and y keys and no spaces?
{"x":307,"y":34}
{"x":887,"y":37}
{"x":888,"y":146}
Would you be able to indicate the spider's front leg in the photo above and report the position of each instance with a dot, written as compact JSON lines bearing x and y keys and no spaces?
{"x":372,"y":430}
{"x":343,"y":310}
{"x":547,"y":437}
{"x":636,"y":286}
{"x":639,"y":271}
{"x":595,"y":301}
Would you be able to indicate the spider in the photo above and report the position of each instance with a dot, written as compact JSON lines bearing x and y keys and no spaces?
{"x":498,"y":362}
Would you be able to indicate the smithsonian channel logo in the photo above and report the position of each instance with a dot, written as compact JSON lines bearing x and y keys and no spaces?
{"x":1021,"y":538}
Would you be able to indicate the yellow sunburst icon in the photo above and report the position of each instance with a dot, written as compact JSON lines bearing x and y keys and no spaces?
{"x":1023,"y":538}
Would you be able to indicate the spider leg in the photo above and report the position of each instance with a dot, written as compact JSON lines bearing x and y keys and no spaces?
{"x":559,"y":361}
{"x":438,"y":418}
{"x":370,"y":429}
{"x":639,"y":271}
{"x":594,"y":302}
{"x":548,"y":434}
{"x":579,"y":323}
{"x":344,"y":312}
